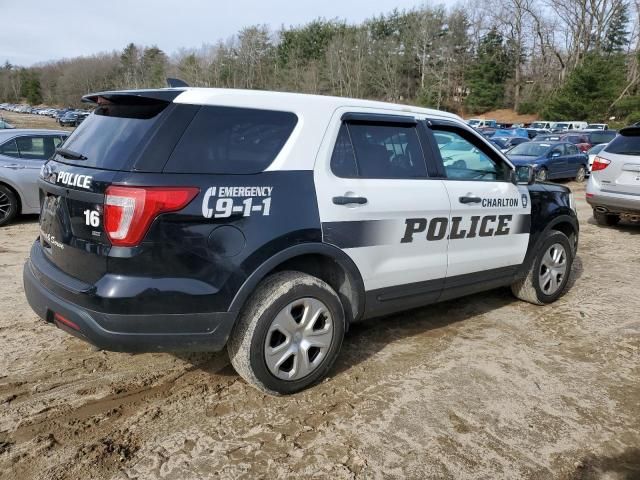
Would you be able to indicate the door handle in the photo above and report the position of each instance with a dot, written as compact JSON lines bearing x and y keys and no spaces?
{"x":467,"y":199}
{"x":349,"y":200}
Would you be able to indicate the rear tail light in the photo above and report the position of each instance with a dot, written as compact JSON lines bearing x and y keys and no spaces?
{"x":599,"y":163}
{"x":128,"y":211}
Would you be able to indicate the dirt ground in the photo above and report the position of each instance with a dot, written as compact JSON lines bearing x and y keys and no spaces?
{"x":505,"y":115}
{"x":483,"y":387}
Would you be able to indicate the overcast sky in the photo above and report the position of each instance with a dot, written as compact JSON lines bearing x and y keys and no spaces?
{"x":40,"y":30}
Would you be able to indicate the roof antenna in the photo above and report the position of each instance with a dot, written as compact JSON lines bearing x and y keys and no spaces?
{"x":176,"y":83}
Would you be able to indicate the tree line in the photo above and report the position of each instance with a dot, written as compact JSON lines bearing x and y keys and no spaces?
{"x":559,"y":59}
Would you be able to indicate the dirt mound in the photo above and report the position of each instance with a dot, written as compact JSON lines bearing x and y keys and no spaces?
{"x":506,"y":115}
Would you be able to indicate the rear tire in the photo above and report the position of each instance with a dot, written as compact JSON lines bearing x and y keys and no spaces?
{"x":288,"y":334}
{"x":547,"y":278}
{"x":607,"y":219}
{"x":581,"y":174}
{"x":8,"y":205}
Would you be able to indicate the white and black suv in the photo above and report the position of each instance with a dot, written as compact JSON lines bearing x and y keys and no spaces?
{"x":191,"y":219}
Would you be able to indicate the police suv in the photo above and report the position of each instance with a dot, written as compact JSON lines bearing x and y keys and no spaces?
{"x":191,"y":219}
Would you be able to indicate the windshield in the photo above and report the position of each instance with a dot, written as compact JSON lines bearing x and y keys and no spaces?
{"x":538,"y":125}
{"x":562,"y":125}
{"x":599,"y":126}
{"x":474,"y":122}
{"x":530,"y":149}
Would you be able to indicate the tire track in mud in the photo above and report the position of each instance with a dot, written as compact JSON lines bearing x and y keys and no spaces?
{"x":98,"y":433}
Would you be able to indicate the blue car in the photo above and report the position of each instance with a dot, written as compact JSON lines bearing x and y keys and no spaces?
{"x":551,"y":160}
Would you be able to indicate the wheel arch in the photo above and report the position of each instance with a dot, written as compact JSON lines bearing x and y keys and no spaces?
{"x":321,"y":260}
{"x":564,"y":223}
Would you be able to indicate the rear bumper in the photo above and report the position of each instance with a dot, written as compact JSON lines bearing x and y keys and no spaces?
{"x":614,"y":203}
{"x":128,"y":333}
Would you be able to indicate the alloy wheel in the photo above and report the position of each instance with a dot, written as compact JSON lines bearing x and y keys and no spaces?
{"x":5,"y":206}
{"x":298,"y":339}
{"x":553,"y":269}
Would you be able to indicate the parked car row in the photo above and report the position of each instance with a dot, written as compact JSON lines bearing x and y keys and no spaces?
{"x":68,"y":117}
{"x":564,"y":154}
{"x":576,"y":150}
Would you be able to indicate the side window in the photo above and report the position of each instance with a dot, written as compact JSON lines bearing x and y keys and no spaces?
{"x":36,"y":148}
{"x":572,"y":150}
{"x":343,"y":159}
{"x":465,"y":159}
{"x":387,"y":151}
{"x":9,"y":149}
{"x":558,"y":150}
{"x":231,"y":140}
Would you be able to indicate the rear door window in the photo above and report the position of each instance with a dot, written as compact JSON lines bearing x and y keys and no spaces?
{"x":37,"y":147}
{"x":343,"y":159}
{"x":625,"y":144}
{"x":572,"y":150}
{"x":225,"y":140}
{"x":387,"y":151}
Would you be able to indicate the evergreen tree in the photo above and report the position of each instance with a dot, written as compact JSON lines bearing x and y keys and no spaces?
{"x":130,"y":60}
{"x":617,"y":35}
{"x":590,"y":89}
{"x":488,"y":74}
{"x":154,"y":66}
{"x":30,"y":86}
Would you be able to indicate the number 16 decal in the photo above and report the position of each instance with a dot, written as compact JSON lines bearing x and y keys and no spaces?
{"x":91,"y":218}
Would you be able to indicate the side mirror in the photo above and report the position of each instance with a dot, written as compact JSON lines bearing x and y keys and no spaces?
{"x":523,"y":175}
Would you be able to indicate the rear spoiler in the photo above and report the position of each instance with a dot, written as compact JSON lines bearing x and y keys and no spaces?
{"x":631,"y":131}
{"x":135,"y":96}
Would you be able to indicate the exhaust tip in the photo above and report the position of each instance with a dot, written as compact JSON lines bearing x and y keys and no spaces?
{"x":601,"y":210}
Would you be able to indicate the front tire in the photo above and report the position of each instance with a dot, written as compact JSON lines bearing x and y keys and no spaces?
{"x":8,"y":205}
{"x":288,"y":334}
{"x":547,"y":278}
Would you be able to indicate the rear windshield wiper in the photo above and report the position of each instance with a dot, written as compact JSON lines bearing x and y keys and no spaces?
{"x":70,"y":154}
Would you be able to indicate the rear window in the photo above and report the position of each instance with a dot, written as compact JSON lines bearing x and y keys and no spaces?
{"x":229,"y":140}
{"x":625,"y":144}
{"x":114,"y":132}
